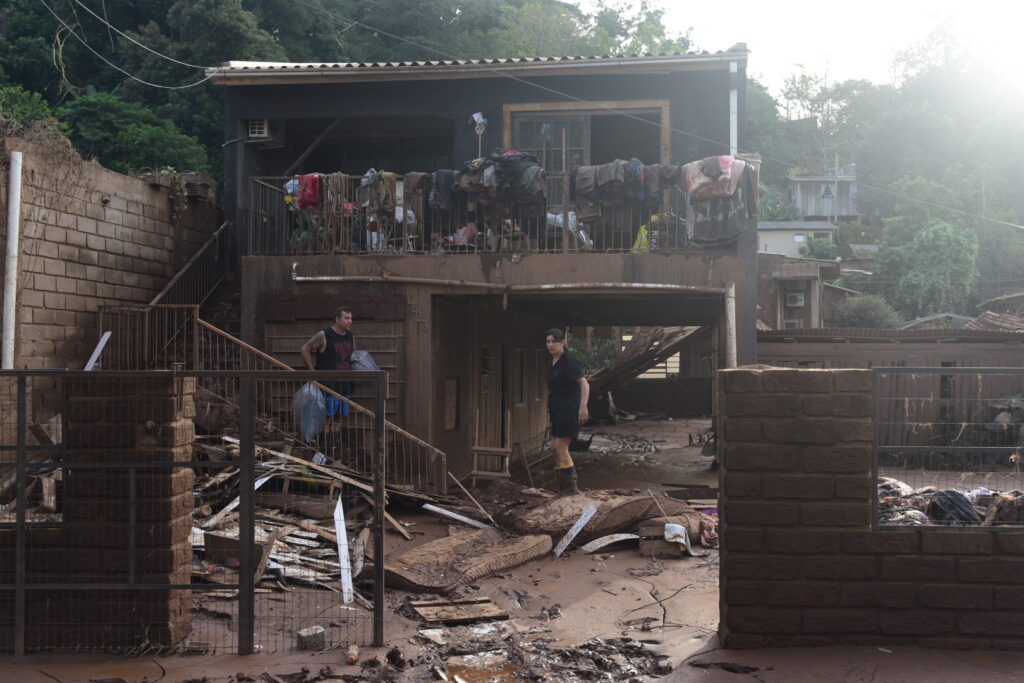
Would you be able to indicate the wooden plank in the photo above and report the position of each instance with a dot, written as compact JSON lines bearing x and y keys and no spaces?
{"x":460,"y":611}
{"x":268,"y":547}
{"x":575,"y":530}
{"x":454,"y":515}
{"x":395,"y":524}
{"x":344,"y":560}
{"x":212,"y":522}
{"x":468,"y":495}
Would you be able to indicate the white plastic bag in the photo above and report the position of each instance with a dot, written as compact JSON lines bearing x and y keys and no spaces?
{"x":309,"y":410}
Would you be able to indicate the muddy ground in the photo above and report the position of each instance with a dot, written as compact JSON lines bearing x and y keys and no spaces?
{"x":613,"y":615}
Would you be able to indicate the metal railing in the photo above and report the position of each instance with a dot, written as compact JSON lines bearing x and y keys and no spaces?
{"x":270,"y":226}
{"x":950,"y":438}
{"x":125,"y":531}
{"x":201,"y":274}
{"x":165,"y":337}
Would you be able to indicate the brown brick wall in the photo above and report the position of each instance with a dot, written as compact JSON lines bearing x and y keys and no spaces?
{"x":801,"y":564}
{"x":113,"y":420}
{"x":90,"y":237}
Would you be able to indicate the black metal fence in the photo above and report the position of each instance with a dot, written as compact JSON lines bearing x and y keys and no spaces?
{"x":270,"y":225}
{"x":123,"y":528}
{"x":948,"y":437}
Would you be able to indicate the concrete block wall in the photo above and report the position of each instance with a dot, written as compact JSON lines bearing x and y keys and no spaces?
{"x":801,"y":561}
{"x":110,"y":533}
{"x":90,"y":237}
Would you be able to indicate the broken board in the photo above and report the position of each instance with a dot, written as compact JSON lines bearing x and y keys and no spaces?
{"x":454,"y":612}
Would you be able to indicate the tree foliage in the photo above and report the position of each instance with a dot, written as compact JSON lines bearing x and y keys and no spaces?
{"x":127,"y":137}
{"x":820,"y":248}
{"x":865,"y":310}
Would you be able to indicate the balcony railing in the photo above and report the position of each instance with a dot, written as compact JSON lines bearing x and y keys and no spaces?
{"x":273,"y":224}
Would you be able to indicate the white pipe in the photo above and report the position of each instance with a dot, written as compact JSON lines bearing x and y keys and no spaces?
{"x":730,"y":325}
{"x":11,"y":262}
{"x":734,"y":108}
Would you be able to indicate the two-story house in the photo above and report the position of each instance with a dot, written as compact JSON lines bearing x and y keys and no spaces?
{"x":453,"y":292}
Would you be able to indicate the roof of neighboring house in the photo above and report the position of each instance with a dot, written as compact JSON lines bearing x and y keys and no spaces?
{"x":802,"y":226}
{"x":842,"y":289}
{"x":824,"y":178}
{"x":240,"y":72}
{"x":827,"y":335}
{"x":998,"y":299}
{"x":956,"y":321}
{"x":864,"y":250}
{"x":997,"y":322}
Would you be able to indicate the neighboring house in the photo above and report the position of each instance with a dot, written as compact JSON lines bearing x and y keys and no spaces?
{"x":939,"y":321}
{"x":1012,"y":304}
{"x":862,"y":257}
{"x":824,"y":197}
{"x":997,"y":322}
{"x":793,"y":292}
{"x":459,"y":323}
{"x":786,"y":237}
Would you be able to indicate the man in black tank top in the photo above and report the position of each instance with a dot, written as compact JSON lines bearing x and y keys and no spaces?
{"x":333,"y":347}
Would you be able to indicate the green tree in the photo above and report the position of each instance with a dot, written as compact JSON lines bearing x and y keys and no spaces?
{"x":128,"y":137}
{"x":23,"y":106}
{"x":865,"y":310}
{"x":933,"y":272}
{"x":820,"y":248}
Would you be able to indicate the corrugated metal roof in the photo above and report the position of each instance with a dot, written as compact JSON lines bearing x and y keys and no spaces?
{"x":1005,"y":297}
{"x":865,"y":334}
{"x":234,"y":70}
{"x":796,"y":225}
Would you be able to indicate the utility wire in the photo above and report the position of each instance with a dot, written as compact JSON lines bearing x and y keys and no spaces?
{"x":922,"y":202}
{"x":70,"y":30}
{"x":125,"y":35}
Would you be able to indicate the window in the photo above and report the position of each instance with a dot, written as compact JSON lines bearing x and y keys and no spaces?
{"x":799,"y":239}
{"x":823,"y":236}
{"x":792,"y":324}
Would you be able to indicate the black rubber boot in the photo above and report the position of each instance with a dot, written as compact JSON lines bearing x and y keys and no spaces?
{"x":567,"y":479}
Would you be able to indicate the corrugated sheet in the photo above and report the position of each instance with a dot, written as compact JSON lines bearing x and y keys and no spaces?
{"x":997,"y":322}
{"x":828,"y":334}
{"x":239,"y":66}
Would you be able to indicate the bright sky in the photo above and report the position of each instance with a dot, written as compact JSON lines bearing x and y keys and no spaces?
{"x":842,"y":39}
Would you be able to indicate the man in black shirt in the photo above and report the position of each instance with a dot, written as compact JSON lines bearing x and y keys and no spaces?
{"x":333,"y":347}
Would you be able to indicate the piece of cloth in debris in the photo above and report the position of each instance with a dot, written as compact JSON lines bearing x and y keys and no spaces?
{"x":953,"y":508}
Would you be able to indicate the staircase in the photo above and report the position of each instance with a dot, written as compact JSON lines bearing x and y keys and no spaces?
{"x":200,"y":332}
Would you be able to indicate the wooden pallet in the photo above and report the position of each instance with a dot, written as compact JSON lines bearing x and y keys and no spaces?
{"x":454,"y":612}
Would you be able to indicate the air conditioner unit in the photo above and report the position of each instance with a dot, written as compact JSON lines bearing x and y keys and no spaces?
{"x":257,"y":129}
{"x":794,"y":299}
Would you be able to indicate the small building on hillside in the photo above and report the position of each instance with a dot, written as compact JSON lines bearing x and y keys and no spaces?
{"x":824,"y":197}
{"x":794,"y":292}
{"x":787,"y":237}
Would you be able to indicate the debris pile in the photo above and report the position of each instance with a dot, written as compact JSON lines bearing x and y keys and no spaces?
{"x":902,"y":505}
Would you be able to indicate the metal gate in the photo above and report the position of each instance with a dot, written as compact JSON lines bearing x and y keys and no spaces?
{"x":122,"y":528}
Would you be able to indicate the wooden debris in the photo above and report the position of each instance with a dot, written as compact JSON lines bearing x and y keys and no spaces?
{"x":344,"y":561}
{"x":470,"y":496}
{"x":454,"y":515}
{"x":453,"y":612}
{"x":575,"y":530}
{"x":395,"y":524}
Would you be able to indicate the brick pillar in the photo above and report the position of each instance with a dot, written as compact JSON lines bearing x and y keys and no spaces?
{"x":796,"y":481}
{"x":110,"y":540}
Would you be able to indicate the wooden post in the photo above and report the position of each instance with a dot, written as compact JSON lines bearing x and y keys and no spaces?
{"x":565,"y":192}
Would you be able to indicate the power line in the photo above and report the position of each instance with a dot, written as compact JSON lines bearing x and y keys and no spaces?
{"x":355,"y":22}
{"x":70,"y":30}
{"x":125,"y":35}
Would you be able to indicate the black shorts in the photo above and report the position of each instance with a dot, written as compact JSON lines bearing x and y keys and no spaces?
{"x":565,"y":422}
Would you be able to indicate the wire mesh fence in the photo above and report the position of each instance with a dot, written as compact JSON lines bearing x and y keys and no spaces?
{"x":948,"y":445}
{"x":122,"y":529}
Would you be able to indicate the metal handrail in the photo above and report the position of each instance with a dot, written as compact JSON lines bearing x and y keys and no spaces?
{"x":182,"y":276}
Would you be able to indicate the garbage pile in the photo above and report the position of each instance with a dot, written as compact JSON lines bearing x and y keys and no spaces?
{"x":901,"y":505}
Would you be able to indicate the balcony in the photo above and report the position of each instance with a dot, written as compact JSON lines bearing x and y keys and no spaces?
{"x":353,"y":217}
